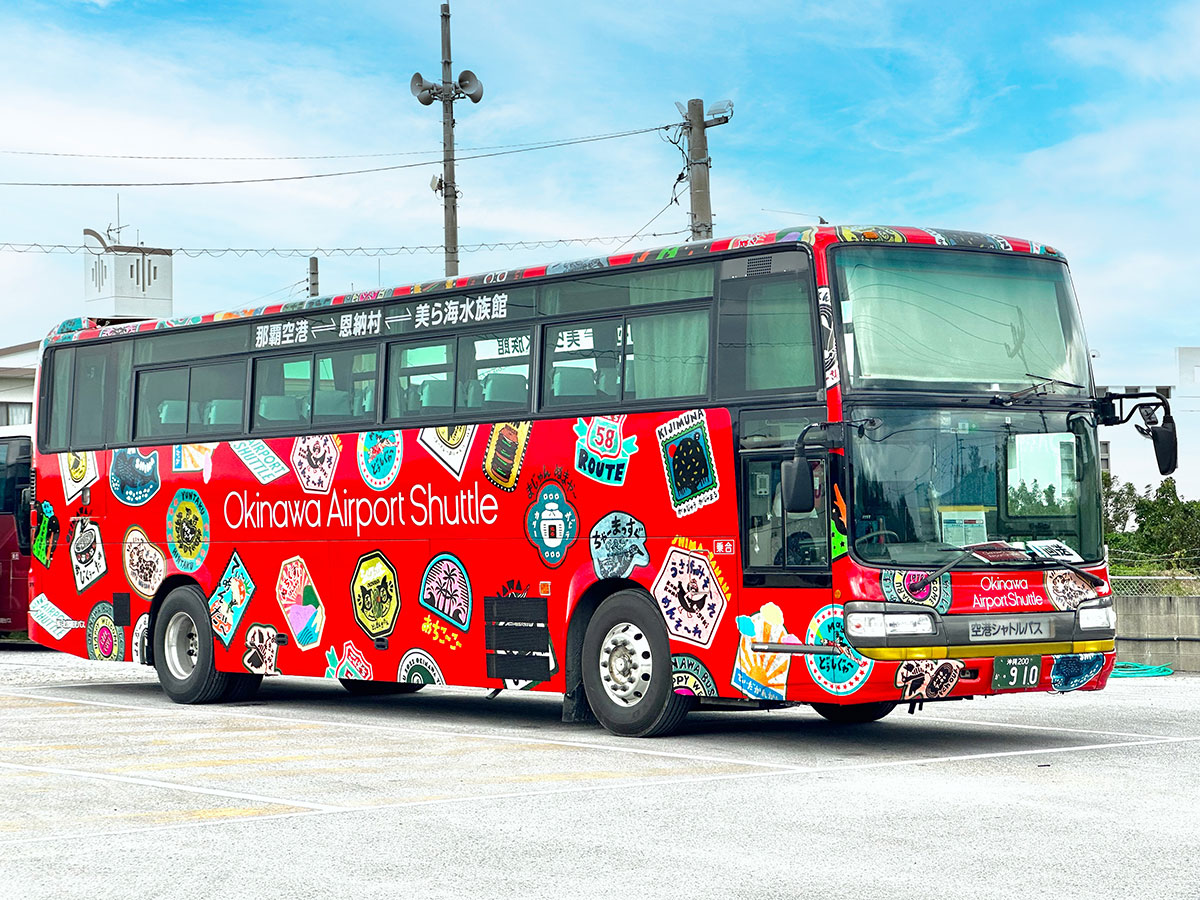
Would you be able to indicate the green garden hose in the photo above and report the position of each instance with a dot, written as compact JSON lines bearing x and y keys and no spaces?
{"x":1140,"y":670}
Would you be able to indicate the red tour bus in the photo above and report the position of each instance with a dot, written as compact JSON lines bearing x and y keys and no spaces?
{"x":15,"y":459}
{"x":846,"y":467}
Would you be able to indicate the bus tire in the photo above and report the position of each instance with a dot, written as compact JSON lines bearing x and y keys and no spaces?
{"x":854,"y":713}
{"x":627,"y":672}
{"x":360,"y":688}
{"x":240,"y":686}
{"x":183,"y":649}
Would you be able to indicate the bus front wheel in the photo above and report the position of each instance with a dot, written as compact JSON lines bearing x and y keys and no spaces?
{"x":854,"y":713}
{"x":183,"y":650}
{"x":627,"y":669}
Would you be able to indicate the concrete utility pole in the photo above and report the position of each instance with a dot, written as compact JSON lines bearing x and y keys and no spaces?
{"x":313,"y":288}
{"x":448,"y":91}
{"x":696,"y":128}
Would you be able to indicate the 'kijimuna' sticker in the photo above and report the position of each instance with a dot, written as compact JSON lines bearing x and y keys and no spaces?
{"x":687,"y":460}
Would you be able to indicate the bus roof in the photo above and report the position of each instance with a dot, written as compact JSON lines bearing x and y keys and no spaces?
{"x":813,"y":235}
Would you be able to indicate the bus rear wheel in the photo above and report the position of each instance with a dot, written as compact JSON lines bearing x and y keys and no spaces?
{"x":854,"y":713}
{"x":627,"y":672}
{"x":183,"y":650}
{"x":360,"y":688}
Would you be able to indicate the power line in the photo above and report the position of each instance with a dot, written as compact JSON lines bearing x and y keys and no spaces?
{"x":438,"y":151}
{"x":412,"y":250}
{"x":279,"y":178}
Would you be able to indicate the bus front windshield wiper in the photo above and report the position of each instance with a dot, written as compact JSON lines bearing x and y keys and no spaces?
{"x":1044,"y":562}
{"x":1041,"y":382}
{"x":989,"y":552}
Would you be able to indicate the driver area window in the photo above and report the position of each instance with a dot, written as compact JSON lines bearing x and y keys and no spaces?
{"x":778,"y":539}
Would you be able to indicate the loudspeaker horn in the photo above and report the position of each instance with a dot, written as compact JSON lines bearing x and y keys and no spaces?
{"x":471,"y":86}
{"x":421,"y":89}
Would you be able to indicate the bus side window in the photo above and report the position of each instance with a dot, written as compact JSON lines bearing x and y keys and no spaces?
{"x":765,"y":326}
{"x":282,"y":391}
{"x":93,"y":369}
{"x":161,"y":403}
{"x":57,"y":419}
{"x":779,"y":539}
{"x":493,"y":370}
{"x":666,"y":355}
{"x":420,"y":379}
{"x":582,"y":362}
{"x":341,"y":390}
{"x":217,"y":398}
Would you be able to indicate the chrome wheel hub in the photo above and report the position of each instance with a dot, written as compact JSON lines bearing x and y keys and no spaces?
{"x":181,"y":646}
{"x":626,"y":664}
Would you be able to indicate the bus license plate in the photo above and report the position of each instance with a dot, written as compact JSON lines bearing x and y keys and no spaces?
{"x":1016,"y":672}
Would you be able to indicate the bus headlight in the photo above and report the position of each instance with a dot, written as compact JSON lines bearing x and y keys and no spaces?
{"x":1094,"y":617}
{"x":875,"y":625}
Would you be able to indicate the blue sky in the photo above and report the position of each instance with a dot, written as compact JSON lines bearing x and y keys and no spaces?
{"x":1075,"y":124}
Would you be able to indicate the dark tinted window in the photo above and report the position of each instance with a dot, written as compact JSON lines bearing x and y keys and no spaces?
{"x":582,"y":362}
{"x":420,"y":379}
{"x":589,"y":292}
{"x":217,"y":398}
{"x":282,"y":391}
{"x":161,"y":404}
{"x":184,"y":346}
{"x":345,"y":386}
{"x":58,"y":414}
{"x":93,"y":371}
{"x":493,"y":370}
{"x":666,"y":355}
{"x":765,"y":329}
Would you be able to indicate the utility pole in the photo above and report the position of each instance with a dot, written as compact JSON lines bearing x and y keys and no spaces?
{"x":313,"y":289}
{"x":448,"y":91}
{"x":696,"y":127}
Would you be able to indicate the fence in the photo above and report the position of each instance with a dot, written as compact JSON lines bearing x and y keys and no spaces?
{"x":1155,"y":585}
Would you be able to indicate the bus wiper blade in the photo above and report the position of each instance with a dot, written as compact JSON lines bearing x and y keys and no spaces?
{"x":1045,"y":563}
{"x":1038,"y":387}
{"x":988,"y":552}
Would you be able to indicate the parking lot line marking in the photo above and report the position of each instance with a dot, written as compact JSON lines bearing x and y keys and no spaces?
{"x":1128,"y":734}
{"x":434,"y":732}
{"x":170,"y":785}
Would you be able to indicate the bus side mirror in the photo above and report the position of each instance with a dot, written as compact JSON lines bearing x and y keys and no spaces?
{"x":798,"y":495}
{"x":1166,"y":445}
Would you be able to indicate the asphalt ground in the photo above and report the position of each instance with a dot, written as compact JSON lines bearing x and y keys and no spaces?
{"x":108,"y":789}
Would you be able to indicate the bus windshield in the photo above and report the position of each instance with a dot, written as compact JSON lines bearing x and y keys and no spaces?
{"x":916,"y":318}
{"x":932,"y":479}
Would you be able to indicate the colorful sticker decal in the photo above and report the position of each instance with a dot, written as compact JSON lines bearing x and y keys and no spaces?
{"x":375,"y":595}
{"x":1073,"y":671}
{"x":45,"y":539}
{"x":352,"y":664}
{"x":87,"y":554}
{"x":133,"y":476}
{"x":446,"y":590}
{"x":687,"y":460}
{"x":618,"y":545}
{"x":450,"y":445}
{"x":927,"y":679}
{"x":505,"y":452}
{"x":379,"y":456}
{"x":1067,"y":589}
{"x":418,"y":667}
{"x":135,"y":641}
{"x":551,"y":523}
{"x":601,"y":452}
{"x":844,"y":673}
{"x":193,"y":458}
{"x":828,"y":338}
{"x":187,"y":530}
{"x":51,"y":618}
{"x":228,"y":603}
{"x":690,"y":677}
{"x":762,"y":676}
{"x":260,"y":459}
{"x":838,"y":545}
{"x":691,"y":594}
{"x":946,"y":238}
{"x":301,"y":605}
{"x":105,"y":641}
{"x":899,"y":587}
{"x":144,"y":563}
{"x":315,"y":458}
{"x":871,"y":233}
{"x":262,"y":651}
{"x":79,"y":471}
{"x":442,"y":634}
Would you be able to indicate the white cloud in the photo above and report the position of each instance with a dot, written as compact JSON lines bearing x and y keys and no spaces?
{"x":1168,"y":56}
